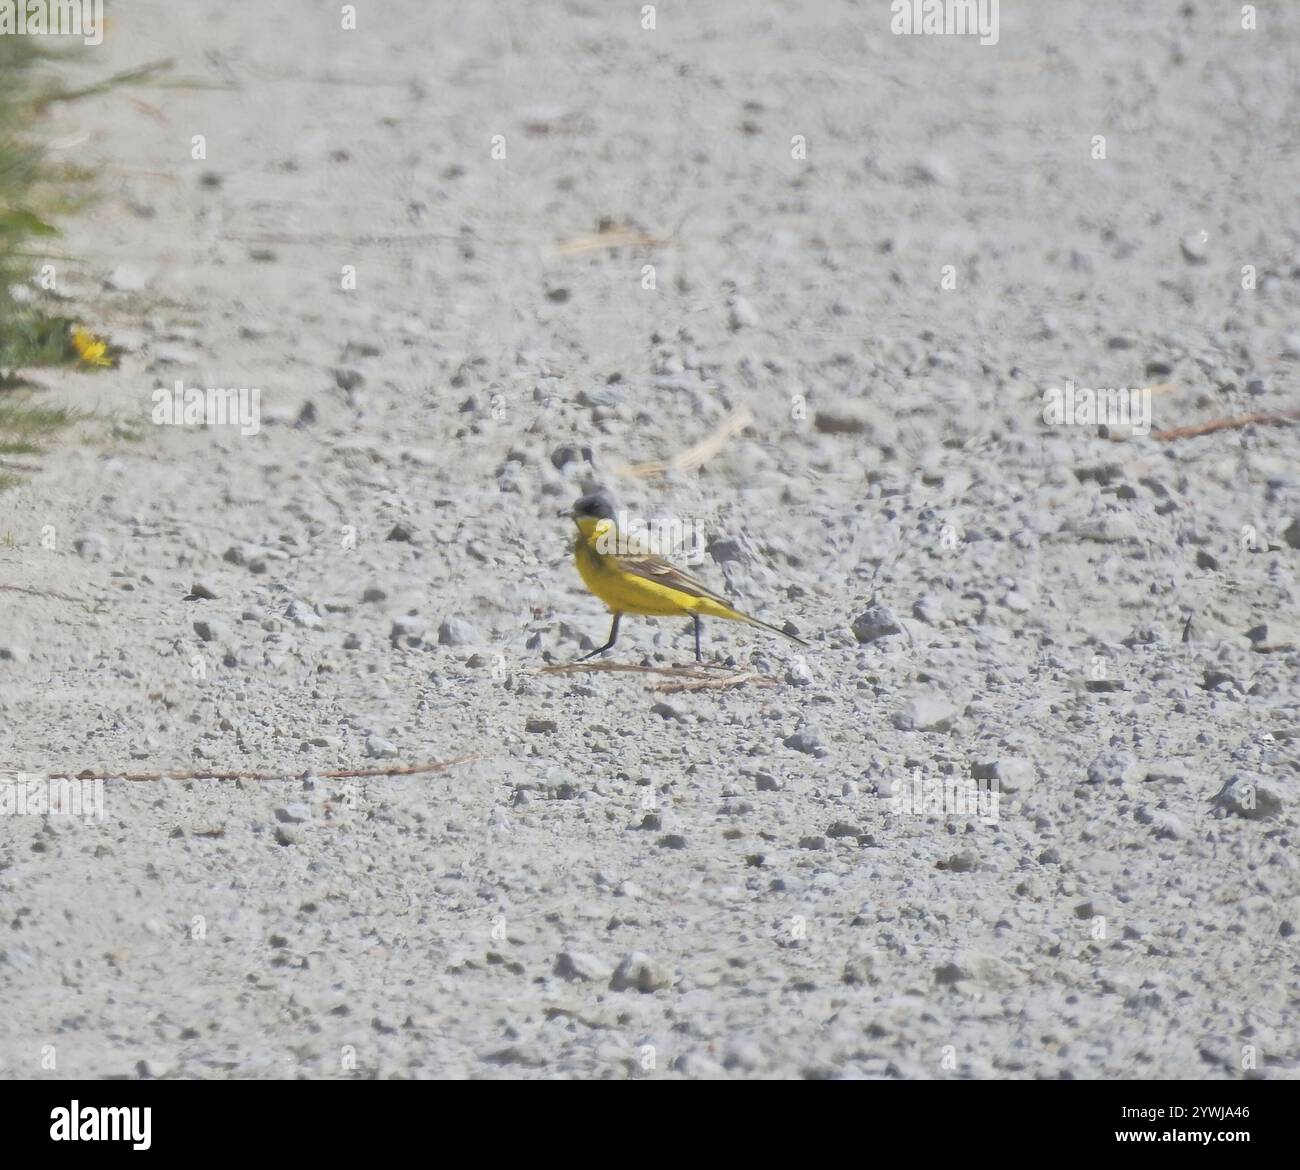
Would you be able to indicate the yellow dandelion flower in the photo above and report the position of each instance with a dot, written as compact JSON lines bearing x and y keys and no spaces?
{"x":91,"y":349}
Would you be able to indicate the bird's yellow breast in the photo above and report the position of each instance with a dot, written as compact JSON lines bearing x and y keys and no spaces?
{"x":624,"y":592}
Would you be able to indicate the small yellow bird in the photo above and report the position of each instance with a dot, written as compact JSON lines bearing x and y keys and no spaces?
{"x":645,"y":585}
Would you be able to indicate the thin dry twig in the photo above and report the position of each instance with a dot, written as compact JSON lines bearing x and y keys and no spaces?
{"x":148,"y":108}
{"x":1261,"y":418}
{"x":613,"y":238}
{"x":39,"y":592}
{"x":346,"y":774}
{"x":618,"y":667}
{"x":314,"y":239}
{"x":724,"y":683}
{"x":701,"y":453}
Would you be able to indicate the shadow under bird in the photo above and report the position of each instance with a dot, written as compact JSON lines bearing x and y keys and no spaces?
{"x":646,"y":585}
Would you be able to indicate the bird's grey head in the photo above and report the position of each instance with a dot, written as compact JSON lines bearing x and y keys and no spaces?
{"x":597,"y":506}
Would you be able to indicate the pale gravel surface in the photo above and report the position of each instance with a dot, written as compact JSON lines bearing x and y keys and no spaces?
{"x":1121,"y":919}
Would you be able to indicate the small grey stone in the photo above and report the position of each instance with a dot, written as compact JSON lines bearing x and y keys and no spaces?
{"x":1215,"y":679}
{"x":742,"y":314}
{"x":456,"y":631}
{"x":988,"y":971}
{"x":807,"y":742}
{"x":1195,"y":247}
{"x":175,"y":355}
{"x":1165,"y":825}
{"x":1013,"y":773}
{"x":725,"y":549}
{"x":92,"y":546}
{"x":524,"y":1055}
{"x":302,"y":614}
{"x":876,"y":621}
{"x":926,"y":713}
{"x":927,"y":609}
{"x":17,"y":959}
{"x":639,"y":972}
{"x":212,"y":630}
{"x":744,"y":1054}
{"x":127,"y":278}
{"x":860,"y":969}
{"x":379,"y":748}
{"x":1250,"y":795}
{"x":933,"y":169}
{"x":295,"y":813}
{"x":1094,"y":908}
{"x":607,"y":397}
{"x":1016,"y":602}
{"x":578,"y":965}
{"x":950,"y":973}
{"x":696,"y":1066}
{"x":408,"y":630}
{"x":838,"y":422}
{"x":1106,"y":528}
{"x":564,"y":455}
{"x":799,"y":674}
{"x":1103,"y":686}
{"x":1114,"y":767}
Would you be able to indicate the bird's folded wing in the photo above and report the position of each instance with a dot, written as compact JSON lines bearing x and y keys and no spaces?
{"x":660,"y":572}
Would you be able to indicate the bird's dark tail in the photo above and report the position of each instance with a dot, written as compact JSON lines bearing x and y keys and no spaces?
{"x":753,"y":621}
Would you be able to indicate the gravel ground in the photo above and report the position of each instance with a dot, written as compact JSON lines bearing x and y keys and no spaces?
{"x":885,"y":250}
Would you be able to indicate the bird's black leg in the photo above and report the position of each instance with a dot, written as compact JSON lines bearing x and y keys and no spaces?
{"x":613,"y":635}
{"x":698,"y":657}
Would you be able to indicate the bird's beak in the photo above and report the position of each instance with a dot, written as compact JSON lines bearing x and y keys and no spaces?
{"x":565,"y":513}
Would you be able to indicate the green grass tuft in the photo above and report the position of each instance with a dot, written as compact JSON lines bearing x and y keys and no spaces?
{"x":25,"y":429}
{"x":35,"y":192}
